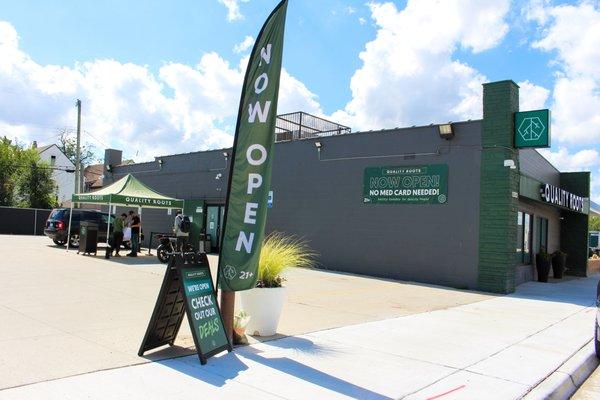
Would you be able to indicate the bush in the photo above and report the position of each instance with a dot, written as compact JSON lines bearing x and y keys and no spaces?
{"x":278,"y":253}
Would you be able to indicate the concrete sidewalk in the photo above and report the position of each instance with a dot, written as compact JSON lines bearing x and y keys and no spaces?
{"x":499,"y":348}
{"x":64,"y":314}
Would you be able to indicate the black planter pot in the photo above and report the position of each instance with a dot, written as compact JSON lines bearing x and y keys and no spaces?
{"x":559,"y":263}
{"x":542,"y":265}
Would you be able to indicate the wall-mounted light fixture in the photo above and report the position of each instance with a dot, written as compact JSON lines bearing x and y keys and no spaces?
{"x":160,"y":162}
{"x":109,"y":168}
{"x":319,"y":145}
{"x":226,"y":155}
{"x":218,"y":176}
{"x":446,"y":131}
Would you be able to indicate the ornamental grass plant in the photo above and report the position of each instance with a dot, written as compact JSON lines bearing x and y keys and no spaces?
{"x":279,"y":252}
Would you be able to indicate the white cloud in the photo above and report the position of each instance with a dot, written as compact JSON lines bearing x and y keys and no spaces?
{"x":233,"y":9}
{"x":362,"y":21}
{"x":295,"y":96}
{"x":408,"y":74}
{"x":572,"y":33}
{"x":576,"y":119}
{"x":8,"y":35}
{"x":595,"y":186}
{"x":244,"y":45}
{"x":350,"y":10}
{"x":127,"y":106}
{"x":531,"y":96}
{"x":582,"y":160}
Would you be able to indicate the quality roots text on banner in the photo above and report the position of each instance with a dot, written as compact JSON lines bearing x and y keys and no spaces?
{"x":253,"y":155}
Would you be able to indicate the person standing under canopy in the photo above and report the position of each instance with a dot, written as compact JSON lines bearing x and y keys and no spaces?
{"x":136,"y":225}
{"x":118,"y":233}
{"x":181,"y":227}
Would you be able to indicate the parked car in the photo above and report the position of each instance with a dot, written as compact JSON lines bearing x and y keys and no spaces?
{"x":57,"y":225}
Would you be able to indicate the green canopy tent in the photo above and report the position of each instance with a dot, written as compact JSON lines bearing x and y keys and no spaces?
{"x":127,"y":191}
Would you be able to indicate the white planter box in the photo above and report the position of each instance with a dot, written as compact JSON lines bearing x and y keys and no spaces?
{"x":264,"y":306}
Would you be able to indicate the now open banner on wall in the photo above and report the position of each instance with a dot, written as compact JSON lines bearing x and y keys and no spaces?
{"x":252,"y":159}
{"x":417,"y":184}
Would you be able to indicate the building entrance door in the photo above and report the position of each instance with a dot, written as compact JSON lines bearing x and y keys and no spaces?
{"x":214,"y":223}
{"x":194,"y":209}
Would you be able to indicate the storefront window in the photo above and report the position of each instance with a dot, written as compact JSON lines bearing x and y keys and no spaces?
{"x":543,"y":233}
{"x":527,"y":239}
{"x":520,"y":236}
{"x":524,"y":222}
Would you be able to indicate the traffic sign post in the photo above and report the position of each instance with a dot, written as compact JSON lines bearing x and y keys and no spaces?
{"x":532,"y":129}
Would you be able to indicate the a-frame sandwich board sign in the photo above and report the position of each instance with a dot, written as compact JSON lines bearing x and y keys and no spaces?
{"x":187,"y":288}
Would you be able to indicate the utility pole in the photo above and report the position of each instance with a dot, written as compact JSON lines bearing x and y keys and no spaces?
{"x":78,"y":152}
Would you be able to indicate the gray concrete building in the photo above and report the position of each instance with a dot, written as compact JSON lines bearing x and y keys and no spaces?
{"x":453,"y":204}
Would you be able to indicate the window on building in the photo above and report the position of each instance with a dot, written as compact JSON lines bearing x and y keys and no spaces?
{"x":527,"y":238}
{"x":524,"y":223}
{"x":543,"y":235}
{"x":52,"y":160}
{"x":519,"y":236}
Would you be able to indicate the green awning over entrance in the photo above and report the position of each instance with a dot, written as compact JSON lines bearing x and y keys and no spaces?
{"x":128,"y":191}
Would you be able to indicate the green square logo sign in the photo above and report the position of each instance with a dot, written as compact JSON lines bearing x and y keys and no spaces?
{"x":532,"y":129}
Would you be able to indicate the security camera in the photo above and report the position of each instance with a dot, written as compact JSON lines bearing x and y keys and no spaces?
{"x":510,"y":163}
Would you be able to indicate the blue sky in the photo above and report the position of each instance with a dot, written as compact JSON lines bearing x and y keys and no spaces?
{"x":167,"y":72}
{"x":323,"y":38}
{"x":322,"y":41}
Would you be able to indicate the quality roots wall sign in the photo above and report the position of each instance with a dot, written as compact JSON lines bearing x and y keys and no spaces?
{"x":559,"y":197}
{"x":421,"y":184}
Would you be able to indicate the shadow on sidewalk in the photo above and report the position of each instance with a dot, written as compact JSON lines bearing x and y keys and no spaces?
{"x":141,"y":259}
{"x":221,"y":369}
{"x":169,"y":353}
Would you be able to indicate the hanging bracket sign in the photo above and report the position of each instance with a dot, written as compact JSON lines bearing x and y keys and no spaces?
{"x":532,"y":129}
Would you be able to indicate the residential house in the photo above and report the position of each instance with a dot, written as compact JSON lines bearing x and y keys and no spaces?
{"x":63,"y":172}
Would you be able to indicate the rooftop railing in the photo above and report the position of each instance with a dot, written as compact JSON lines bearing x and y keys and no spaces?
{"x":300,"y":125}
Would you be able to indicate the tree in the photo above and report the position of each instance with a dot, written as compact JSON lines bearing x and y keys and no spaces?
{"x":25,"y":181}
{"x":7,"y":171}
{"x":594,"y":223}
{"x":36,"y":188}
{"x":67,"y":143}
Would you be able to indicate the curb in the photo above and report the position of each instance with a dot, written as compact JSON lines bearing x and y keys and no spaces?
{"x":565,"y":381}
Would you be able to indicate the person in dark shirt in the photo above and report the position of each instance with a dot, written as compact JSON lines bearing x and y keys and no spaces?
{"x":135,"y":235}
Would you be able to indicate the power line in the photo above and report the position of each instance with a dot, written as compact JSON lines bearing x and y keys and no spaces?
{"x":54,"y":168}
{"x":39,"y":125}
{"x":94,"y":137}
{"x":39,"y":136}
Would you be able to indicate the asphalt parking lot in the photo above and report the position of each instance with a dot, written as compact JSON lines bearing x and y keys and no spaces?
{"x":66,"y":314}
